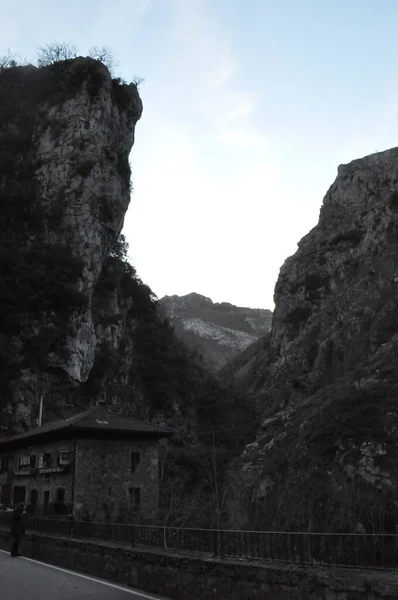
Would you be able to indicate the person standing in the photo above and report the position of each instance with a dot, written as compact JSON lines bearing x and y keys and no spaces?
{"x":17,"y":529}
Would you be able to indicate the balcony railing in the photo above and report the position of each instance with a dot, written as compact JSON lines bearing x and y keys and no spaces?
{"x":33,"y":471}
{"x":332,"y":549}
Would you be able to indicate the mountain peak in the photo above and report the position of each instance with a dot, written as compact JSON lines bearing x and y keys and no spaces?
{"x":219,"y":330}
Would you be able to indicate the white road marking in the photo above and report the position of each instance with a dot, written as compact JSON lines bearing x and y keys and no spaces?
{"x":112,"y":585}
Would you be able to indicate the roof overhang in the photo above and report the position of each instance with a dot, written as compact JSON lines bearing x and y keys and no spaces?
{"x":71,"y":433}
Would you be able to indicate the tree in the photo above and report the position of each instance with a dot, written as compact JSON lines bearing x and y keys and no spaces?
{"x":120,"y":248}
{"x":55,"y":52}
{"x":105,"y":55}
{"x":137,"y":81}
{"x":8,"y":61}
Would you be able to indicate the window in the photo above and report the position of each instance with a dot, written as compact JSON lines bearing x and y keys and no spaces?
{"x":24,"y":462}
{"x":135,"y":461}
{"x":46,"y":498}
{"x":135,"y":497}
{"x":63,"y":458}
{"x":47,"y":460}
{"x":27,"y":462}
{"x":5,"y":464}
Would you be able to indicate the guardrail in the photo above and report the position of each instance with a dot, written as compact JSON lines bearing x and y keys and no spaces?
{"x":332,"y":549}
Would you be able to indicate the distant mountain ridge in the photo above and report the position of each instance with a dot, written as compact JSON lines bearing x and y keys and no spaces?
{"x":219,"y":331}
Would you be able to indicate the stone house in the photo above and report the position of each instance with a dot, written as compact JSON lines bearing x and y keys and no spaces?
{"x":98,"y":463}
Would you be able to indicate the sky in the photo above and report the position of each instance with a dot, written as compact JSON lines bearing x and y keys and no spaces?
{"x":249,"y":108}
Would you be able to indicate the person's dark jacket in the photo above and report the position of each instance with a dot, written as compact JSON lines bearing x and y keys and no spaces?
{"x":17,"y":523}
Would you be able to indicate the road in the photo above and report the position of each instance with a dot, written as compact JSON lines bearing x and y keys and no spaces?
{"x":25,"y":579}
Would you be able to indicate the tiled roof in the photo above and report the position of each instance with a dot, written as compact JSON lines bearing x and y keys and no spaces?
{"x":93,"y":419}
{"x":98,"y":419}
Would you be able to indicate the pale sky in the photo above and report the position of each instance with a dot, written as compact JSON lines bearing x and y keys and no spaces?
{"x":249,"y":107}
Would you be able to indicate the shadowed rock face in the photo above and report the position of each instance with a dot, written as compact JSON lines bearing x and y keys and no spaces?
{"x":327,"y":376}
{"x":66,"y":132}
{"x":217,"y":330}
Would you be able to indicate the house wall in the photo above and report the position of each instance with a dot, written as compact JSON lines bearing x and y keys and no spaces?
{"x":103,"y":477}
{"x":36,"y":478}
{"x":98,"y":479}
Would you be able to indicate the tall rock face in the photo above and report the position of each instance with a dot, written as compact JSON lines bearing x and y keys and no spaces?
{"x":327,"y":375}
{"x":66,"y":131}
{"x":217,"y":331}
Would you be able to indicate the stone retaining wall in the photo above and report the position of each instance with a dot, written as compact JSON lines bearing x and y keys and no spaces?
{"x":180,"y":577}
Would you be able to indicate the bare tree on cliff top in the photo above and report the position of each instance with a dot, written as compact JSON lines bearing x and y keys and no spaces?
{"x":8,"y":61}
{"x":105,"y":55}
{"x":55,"y":52}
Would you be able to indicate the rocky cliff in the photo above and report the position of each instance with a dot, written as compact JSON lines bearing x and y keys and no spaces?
{"x":66,"y":131}
{"x":327,"y":375}
{"x":217,"y":331}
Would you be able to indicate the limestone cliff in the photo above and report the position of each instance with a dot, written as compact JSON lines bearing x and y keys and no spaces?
{"x":218,"y":331}
{"x":66,"y":131}
{"x":327,"y":376}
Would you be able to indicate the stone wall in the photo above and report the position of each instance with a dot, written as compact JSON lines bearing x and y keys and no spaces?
{"x":179,"y":577}
{"x":103,"y":477}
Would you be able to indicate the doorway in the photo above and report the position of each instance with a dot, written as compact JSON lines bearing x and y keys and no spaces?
{"x":5,"y":497}
{"x":19,"y":494}
{"x":60,"y":495}
{"x":32,"y":507}
{"x":34,"y":495}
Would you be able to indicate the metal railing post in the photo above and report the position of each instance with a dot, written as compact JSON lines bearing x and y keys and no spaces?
{"x":215,"y":542}
{"x":221,"y":549}
{"x":134,"y":536}
{"x":301,"y":547}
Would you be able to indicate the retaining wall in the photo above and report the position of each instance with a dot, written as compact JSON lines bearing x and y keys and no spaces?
{"x":197,"y":578}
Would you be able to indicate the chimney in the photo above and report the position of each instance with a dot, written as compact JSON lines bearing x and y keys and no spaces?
{"x":102,"y":408}
{"x":40,"y":419}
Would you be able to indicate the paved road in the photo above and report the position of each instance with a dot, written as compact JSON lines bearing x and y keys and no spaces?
{"x":26,"y":579}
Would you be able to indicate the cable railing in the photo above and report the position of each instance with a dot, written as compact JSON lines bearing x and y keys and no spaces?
{"x":372,"y":550}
